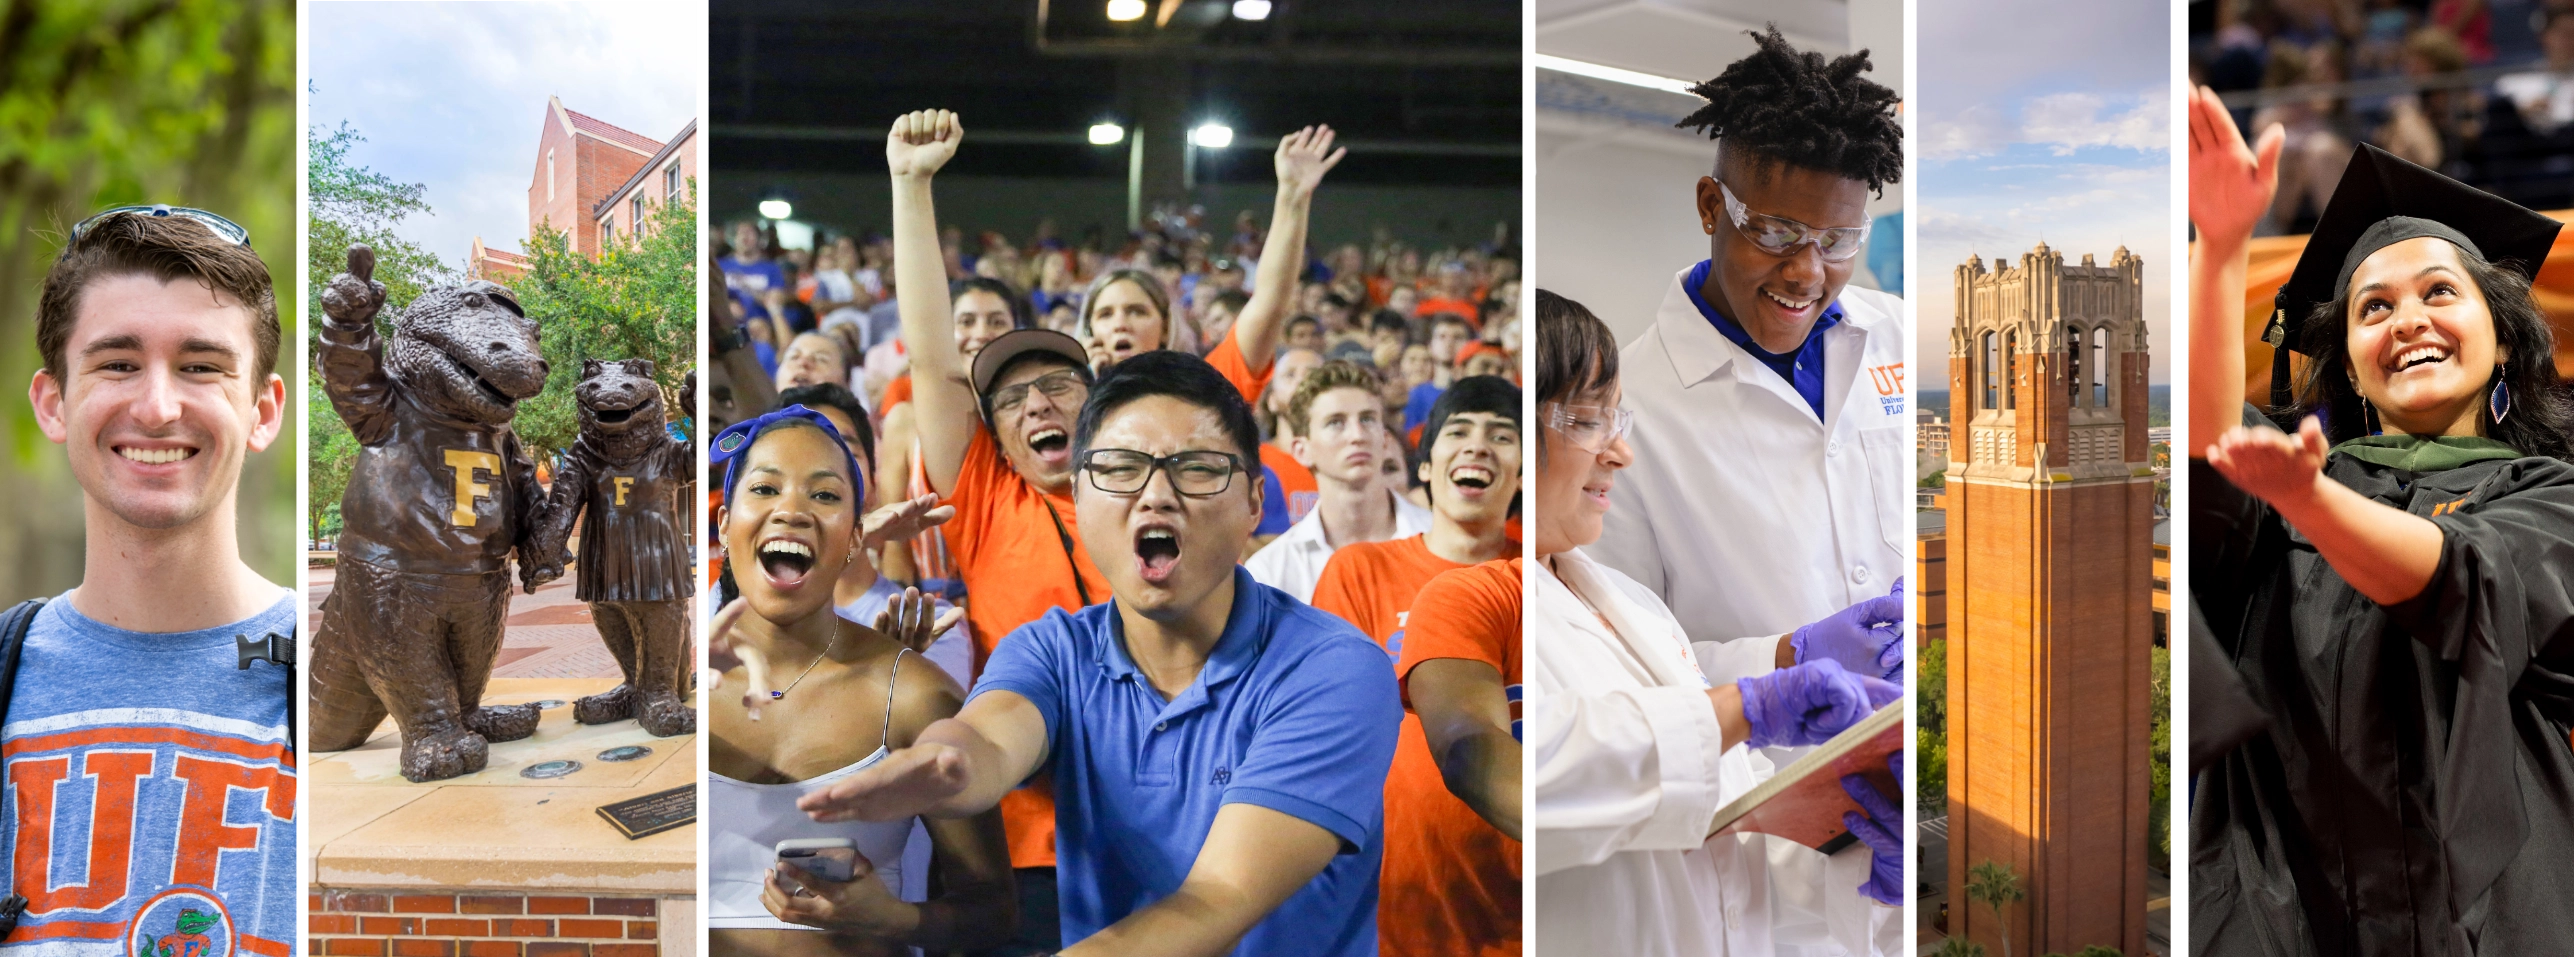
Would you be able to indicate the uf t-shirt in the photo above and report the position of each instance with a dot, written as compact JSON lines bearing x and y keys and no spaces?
{"x":1451,"y":884}
{"x":151,"y":795}
{"x":1294,"y":711}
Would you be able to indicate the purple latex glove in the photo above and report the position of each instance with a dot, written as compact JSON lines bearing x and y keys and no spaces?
{"x":1809,"y":703}
{"x":1882,"y":830}
{"x":1866,"y":638}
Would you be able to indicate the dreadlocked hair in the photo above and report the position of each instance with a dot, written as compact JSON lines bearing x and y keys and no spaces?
{"x":1795,"y":108}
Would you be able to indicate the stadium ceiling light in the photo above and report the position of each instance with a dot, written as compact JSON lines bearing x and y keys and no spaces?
{"x":1251,"y":9}
{"x":1214,"y":136}
{"x":1612,"y":74}
{"x":1106,"y":134}
{"x":1123,"y":11}
{"x":776,"y":209}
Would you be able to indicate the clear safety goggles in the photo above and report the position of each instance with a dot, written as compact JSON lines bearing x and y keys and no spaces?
{"x":1779,"y":235}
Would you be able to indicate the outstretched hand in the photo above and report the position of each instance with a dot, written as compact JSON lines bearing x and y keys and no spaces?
{"x":902,"y":520}
{"x":2231,"y":184}
{"x":2273,"y":466}
{"x":724,"y":653}
{"x":1304,"y":156}
{"x":922,"y":141}
{"x":908,"y":620}
{"x":354,"y":297}
{"x":907,"y":783}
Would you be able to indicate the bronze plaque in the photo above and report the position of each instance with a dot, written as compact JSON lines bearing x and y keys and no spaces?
{"x":653,"y":813}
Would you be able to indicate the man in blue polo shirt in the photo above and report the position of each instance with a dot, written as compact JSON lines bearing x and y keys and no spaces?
{"x":1218,"y":748}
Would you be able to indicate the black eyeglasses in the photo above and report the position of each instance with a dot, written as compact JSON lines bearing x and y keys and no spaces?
{"x":224,"y":229}
{"x":1194,"y":474}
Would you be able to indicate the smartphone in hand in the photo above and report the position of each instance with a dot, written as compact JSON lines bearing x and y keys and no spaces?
{"x":829,"y":858}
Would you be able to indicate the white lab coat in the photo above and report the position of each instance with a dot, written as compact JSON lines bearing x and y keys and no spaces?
{"x":1741,"y":511}
{"x":1631,"y":767}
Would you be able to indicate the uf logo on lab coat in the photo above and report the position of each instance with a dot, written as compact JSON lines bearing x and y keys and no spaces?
{"x":1889,"y":380}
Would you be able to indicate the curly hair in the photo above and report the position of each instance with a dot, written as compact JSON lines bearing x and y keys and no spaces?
{"x":1795,"y":108}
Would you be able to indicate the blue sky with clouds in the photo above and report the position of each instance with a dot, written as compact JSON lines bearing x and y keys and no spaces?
{"x":452,"y":95}
{"x":2043,"y":121}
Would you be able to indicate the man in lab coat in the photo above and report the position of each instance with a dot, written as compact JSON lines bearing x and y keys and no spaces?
{"x":1773,"y":448}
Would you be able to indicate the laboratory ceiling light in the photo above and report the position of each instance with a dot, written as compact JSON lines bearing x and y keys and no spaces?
{"x":1612,"y":74}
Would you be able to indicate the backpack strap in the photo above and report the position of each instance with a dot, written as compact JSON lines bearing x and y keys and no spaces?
{"x":13,"y":639}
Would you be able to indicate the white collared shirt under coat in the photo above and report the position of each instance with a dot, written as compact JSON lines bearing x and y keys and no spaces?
{"x":1630,"y":769}
{"x":1745,"y":514}
{"x":1293,"y":562}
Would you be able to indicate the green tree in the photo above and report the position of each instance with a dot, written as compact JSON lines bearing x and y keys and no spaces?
{"x":1996,"y":885}
{"x":2159,"y":815}
{"x":635,"y":300}
{"x":1930,"y":716}
{"x":352,"y":204}
{"x":111,"y":102}
{"x":1959,"y":947}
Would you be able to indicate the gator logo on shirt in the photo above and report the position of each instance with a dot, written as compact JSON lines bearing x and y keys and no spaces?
{"x":1394,"y":642}
{"x":181,"y":922}
{"x":1513,"y":693}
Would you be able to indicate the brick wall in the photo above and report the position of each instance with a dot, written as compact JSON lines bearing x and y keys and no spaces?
{"x":406,"y":923}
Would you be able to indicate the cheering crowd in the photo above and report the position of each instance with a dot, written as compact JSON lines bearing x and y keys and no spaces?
{"x":1160,"y":515}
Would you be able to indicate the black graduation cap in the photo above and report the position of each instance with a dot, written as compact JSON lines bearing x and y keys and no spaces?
{"x":2383,"y":200}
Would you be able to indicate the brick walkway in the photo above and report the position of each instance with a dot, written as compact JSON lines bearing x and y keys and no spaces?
{"x":549,"y":635}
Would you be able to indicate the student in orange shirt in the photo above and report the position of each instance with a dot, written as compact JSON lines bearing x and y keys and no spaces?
{"x":1451,"y":881}
{"x":1472,"y":468}
{"x":984,"y":309}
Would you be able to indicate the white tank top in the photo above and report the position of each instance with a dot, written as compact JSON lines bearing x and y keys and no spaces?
{"x":746,"y":821}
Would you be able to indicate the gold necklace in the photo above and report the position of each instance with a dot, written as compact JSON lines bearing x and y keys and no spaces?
{"x":808,"y":669}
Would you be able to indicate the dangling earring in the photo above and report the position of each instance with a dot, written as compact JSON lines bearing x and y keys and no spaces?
{"x":2500,"y":401}
{"x":2368,"y":417}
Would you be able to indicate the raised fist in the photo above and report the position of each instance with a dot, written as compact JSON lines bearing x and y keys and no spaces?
{"x":354,"y":297}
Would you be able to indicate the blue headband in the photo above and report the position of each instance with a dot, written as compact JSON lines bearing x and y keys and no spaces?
{"x":732,"y":444}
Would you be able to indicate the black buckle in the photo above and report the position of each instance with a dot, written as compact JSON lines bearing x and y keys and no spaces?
{"x":274,"y":648}
{"x":10,"y":909}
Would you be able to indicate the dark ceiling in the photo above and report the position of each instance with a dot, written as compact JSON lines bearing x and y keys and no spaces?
{"x":1428,"y":91}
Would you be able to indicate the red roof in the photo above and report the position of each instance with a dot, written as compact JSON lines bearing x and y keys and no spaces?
{"x":611,"y":132}
{"x":505,"y":256}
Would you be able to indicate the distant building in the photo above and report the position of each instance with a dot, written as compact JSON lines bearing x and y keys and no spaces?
{"x":2048,"y":546}
{"x":1930,"y":444}
{"x":588,"y":174}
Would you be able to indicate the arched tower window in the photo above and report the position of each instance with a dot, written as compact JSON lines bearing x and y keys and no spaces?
{"x":2100,"y":367}
{"x":2073,"y":366}
{"x":1990,"y":401}
{"x":2011,"y":371}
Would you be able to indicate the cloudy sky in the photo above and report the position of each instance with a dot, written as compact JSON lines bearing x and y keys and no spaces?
{"x":452,"y":95}
{"x":2040,"y":126}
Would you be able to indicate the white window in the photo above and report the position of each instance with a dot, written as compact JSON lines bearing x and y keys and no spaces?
{"x":637,"y":217}
{"x":549,"y":176}
{"x":607,"y":230}
{"x":670,"y":182}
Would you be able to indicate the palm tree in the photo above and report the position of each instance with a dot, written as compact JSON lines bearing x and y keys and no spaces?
{"x":1959,"y":947}
{"x":1996,"y":885}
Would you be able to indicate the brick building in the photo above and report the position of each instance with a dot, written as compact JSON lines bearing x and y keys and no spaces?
{"x":666,"y":174}
{"x":2048,"y":534}
{"x":583,"y":165}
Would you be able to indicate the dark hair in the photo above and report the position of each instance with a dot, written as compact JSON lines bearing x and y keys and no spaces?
{"x":1576,"y":353}
{"x":1333,"y":374}
{"x":1792,"y":107}
{"x":166,"y":248}
{"x":1384,"y":319}
{"x":1021,"y":314}
{"x":2542,"y":416}
{"x":1475,"y":393}
{"x":833,"y":395}
{"x":1444,"y":318}
{"x":1290,"y":328}
{"x":1181,"y":376}
{"x":1233,"y":300}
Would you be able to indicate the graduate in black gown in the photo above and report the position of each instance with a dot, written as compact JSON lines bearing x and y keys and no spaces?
{"x":2389,"y":571}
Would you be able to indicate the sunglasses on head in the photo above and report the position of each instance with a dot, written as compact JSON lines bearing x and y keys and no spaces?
{"x":224,"y":229}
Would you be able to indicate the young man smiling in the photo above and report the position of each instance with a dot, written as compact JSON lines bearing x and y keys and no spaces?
{"x":140,"y":753}
{"x":1218,"y":749}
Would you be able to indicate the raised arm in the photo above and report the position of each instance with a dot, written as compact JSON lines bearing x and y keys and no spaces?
{"x":1303,"y":157}
{"x":958,"y":767}
{"x":2386,"y":553}
{"x":2230,"y":188}
{"x":1465,"y":714}
{"x":1253,"y":860}
{"x":943,"y":408}
{"x":350,"y":354}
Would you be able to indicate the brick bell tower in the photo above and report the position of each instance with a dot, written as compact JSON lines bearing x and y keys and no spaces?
{"x":2050,"y":528}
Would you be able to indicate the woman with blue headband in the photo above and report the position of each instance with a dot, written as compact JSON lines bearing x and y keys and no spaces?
{"x":828,"y":697}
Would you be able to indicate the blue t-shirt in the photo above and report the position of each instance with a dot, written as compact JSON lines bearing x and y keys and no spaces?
{"x":1416,"y":409}
{"x":746,"y":281}
{"x":149,"y":781}
{"x":1295,"y":711}
{"x":1803,"y":369}
{"x":1274,"y":516}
